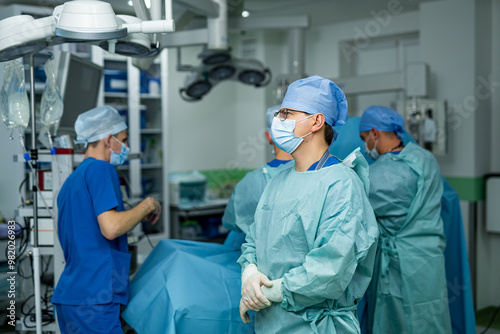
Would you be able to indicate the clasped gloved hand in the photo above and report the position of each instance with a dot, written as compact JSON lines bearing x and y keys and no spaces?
{"x":251,"y":295}
{"x":273,"y":293}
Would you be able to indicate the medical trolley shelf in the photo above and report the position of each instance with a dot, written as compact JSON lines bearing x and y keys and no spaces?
{"x":201,"y":214}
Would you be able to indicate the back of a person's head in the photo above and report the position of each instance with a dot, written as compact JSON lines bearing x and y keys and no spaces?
{"x":383,"y":119}
{"x":270,"y":112}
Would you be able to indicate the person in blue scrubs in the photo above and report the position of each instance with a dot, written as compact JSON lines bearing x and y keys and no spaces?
{"x":309,"y":254}
{"x":92,"y":229}
{"x":408,"y":293}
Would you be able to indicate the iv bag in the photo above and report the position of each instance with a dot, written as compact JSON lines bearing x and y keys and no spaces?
{"x":51,"y":108}
{"x":14,"y":104}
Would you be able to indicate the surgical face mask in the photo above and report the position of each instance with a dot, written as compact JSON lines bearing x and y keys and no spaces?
{"x":283,"y":136}
{"x":372,"y":154}
{"x":118,"y":159}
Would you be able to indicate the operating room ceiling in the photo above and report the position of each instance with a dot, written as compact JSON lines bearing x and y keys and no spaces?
{"x":320,"y":11}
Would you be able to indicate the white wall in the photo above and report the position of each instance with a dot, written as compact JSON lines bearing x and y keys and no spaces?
{"x":325,"y":55}
{"x":201,"y":134}
{"x":447,"y":45}
{"x":250,"y":108}
{"x":461,"y":69}
{"x":459,"y":40}
{"x":226,"y":128}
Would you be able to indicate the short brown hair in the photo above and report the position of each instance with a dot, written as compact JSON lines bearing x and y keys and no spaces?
{"x":328,"y":134}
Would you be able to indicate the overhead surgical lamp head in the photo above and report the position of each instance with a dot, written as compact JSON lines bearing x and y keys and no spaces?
{"x":215,"y":56}
{"x":222,"y":71}
{"x":252,"y":72}
{"x":84,"y":20}
{"x":81,"y":21}
{"x":197,"y":85}
{"x":22,"y":35}
{"x":203,"y":78}
{"x":134,"y":45}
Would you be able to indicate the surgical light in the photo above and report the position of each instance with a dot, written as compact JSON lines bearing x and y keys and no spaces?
{"x":251,"y":77}
{"x":201,"y":79}
{"x":212,"y":57}
{"x":245,"y":13}
{"x":133,"y":45}
{"x":82,"y":21}
{"x":252,"y":72}
{"x":196,"y":86}
{"x":87,"y":20}
{"x":222,"y":72}
{"x":14,"y":32}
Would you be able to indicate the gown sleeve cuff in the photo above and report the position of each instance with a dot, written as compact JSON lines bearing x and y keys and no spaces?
{"x":249,"y":270}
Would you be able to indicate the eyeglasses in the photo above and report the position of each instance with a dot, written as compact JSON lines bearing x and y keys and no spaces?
{"x":283,"y":114}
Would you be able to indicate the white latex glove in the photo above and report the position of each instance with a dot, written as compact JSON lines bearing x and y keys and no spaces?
{"x":273,"y":293}
{"x":244,"y":312}
{"x":251,"y":281}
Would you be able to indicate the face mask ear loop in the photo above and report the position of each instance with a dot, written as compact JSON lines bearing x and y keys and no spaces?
{"x":300,"y":120}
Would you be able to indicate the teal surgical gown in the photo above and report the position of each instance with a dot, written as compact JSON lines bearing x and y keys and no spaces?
{"x":408,"y":293}
{"x":187,"y":287}
{"x":241,"y":206}
{"x":317,"y":231}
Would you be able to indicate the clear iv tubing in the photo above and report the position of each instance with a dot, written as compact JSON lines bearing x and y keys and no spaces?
{"x":55,"y":170}
{"x":27,"y":158}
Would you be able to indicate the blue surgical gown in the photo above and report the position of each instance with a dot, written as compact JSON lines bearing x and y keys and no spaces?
{"x":97,"y":269}
{"x":317,"y":231}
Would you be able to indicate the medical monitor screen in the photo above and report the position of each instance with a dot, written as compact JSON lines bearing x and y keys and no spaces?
{"x":79,"y":80}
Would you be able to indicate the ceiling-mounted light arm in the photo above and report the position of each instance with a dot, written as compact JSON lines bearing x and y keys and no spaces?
{"x":150,"y":27}
{"x":207,"y":8}
{"x":217,"y":28}
{"x":141,"y":11}
{"x":180,"y":67}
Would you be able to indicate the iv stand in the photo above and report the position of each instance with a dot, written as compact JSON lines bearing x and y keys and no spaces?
{"x":34,"y":158}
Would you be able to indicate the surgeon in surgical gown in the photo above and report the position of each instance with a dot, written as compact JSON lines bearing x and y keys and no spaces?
{"x":309,"y":255}
{"x":189,"y":287}
{"x":460,"y":300}
{"x":408,"y":293}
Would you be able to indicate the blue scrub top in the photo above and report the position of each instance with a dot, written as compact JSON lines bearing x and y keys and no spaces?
{"x":329,"y":162}
{"x":276,"y":163}
{"x":97,"y":269}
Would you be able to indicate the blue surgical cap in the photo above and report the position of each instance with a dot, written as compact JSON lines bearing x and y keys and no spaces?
{"x":270,"y":115}
{"x":382,"y":119}
{"x":97,"y":123}
{"x":315,"y":95}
